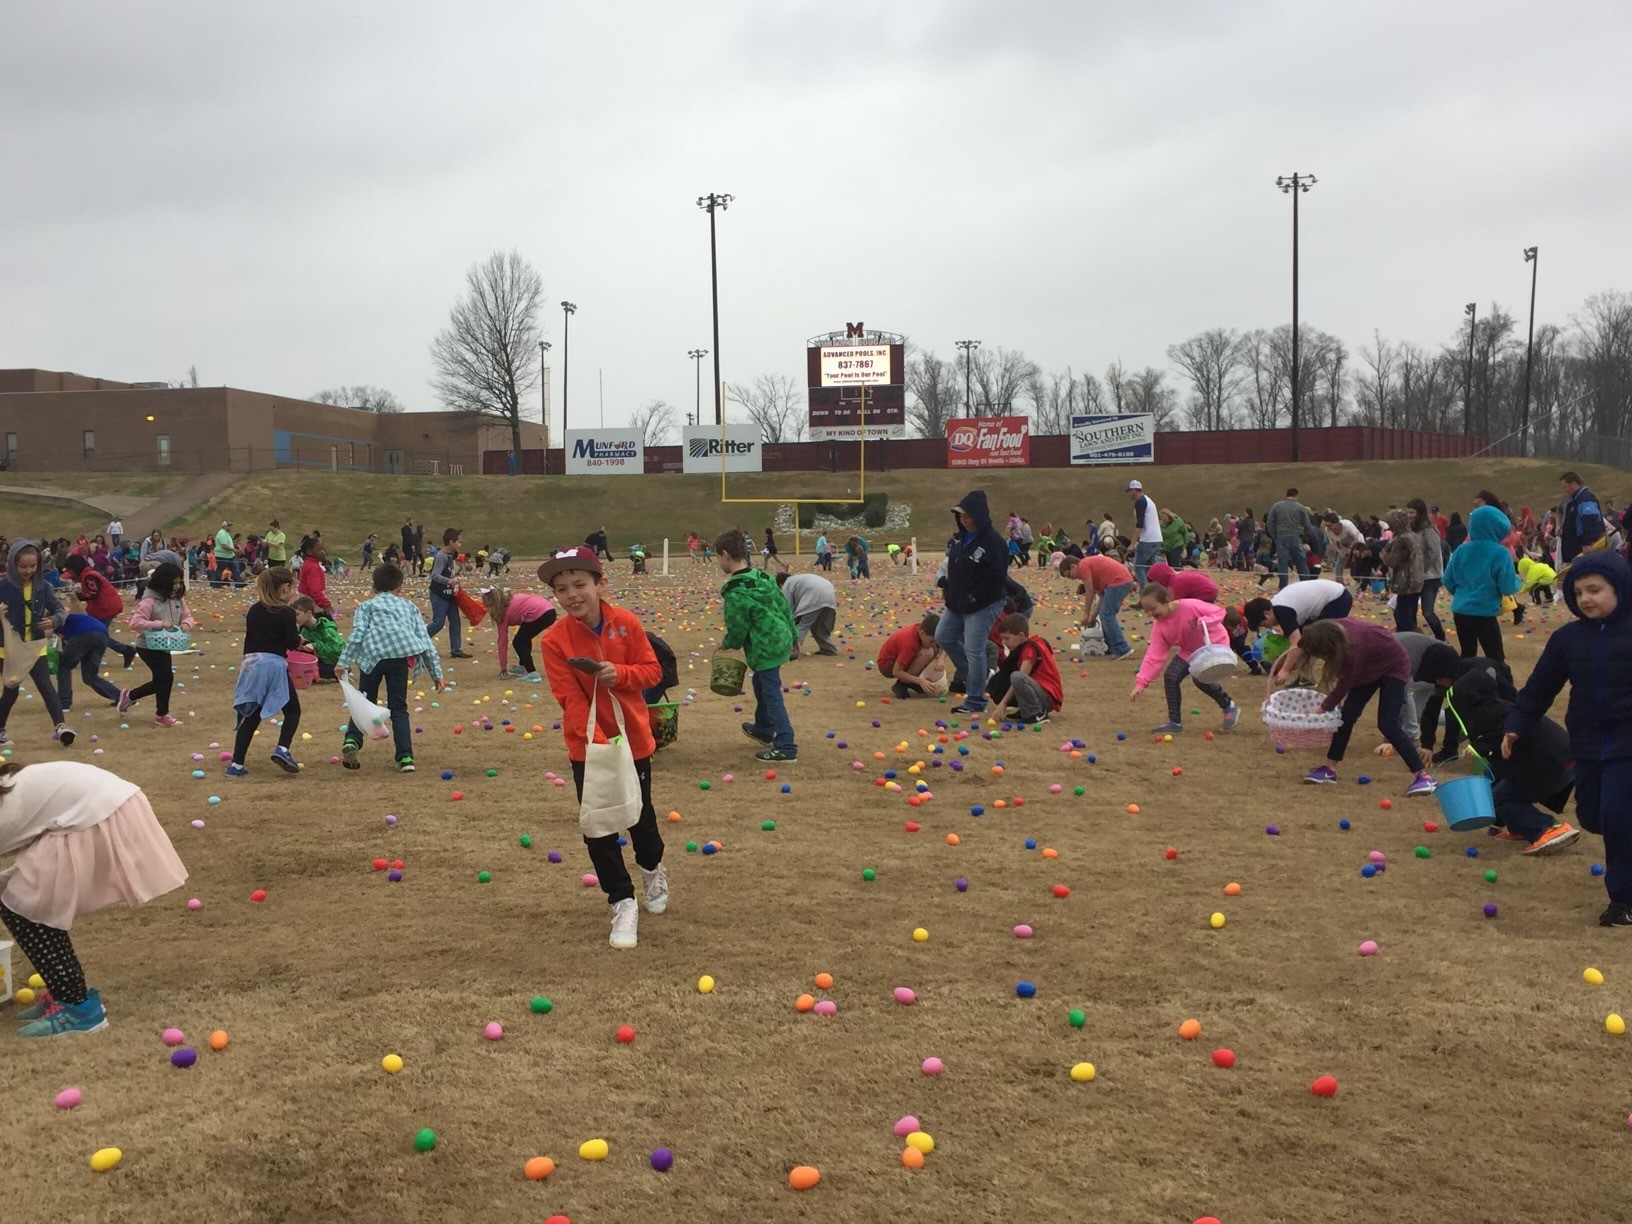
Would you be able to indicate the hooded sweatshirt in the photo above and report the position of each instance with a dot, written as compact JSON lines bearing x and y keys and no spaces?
{"x":976,"y":561}
{"x":1404,"y":555}
{"x":1541,"y":768}
{"x":25,"y":614}
{"x":1595,"y":658}
{"x":758,"y":620}
{"x":1481,"y":571}
{"x":1191,"y":584}
{"x":1533,"y":574}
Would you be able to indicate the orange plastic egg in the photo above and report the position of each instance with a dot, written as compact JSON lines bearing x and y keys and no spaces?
{"x":803,"y":1177}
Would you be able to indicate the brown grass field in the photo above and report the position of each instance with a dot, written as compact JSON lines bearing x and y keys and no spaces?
{"x":1477,"y":1082}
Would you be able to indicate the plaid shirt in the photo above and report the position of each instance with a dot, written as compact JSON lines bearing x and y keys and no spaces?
{"x":389,"y":627}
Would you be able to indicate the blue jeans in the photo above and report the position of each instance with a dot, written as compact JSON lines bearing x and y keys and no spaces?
{"x":1601,"y":789}
{"x":771,"y":712}
{"x":1525,"y":819}
{"x":444,"y":609}
{"x":1289,"y":549}
{"x":84,"y":651}
{"x":1143,"y":554}
{"x":963,"y":636}
{"x":1110,"y":602}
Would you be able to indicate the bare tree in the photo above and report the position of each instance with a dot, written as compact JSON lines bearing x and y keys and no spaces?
{"x":655,"y":422}
{"x":1376,"y":392}
{"x":1116,"y":378}
{"x":362,"y":395}
{"x":1266,"y":381}
{"x":1328,"y":361}
{"x":1211,"y":360}
{"x":1605,"y":323}
{"x":189,"y":379}
{"x":936,"y":390}
{"x":486,"y":359}
{"x":1000,"y":376}
{"x":776,"y":404}
{"x":1147,"y":391}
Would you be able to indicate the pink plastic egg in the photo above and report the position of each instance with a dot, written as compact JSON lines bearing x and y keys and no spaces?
{"x":194,"y":903}
{"x":1369,"y":948}
{"x":905,"y":996}
{"x":68,"y":1098}
{"x":172,"y":1037}
{"x":933,"y":1066}
{"x":826,"y":1007}
{"x":590,"y":880}
{"x":905,"y":1126}
{"x":1054,"y":789}
{"x":1022,"y":931}
{"x":493,"y":1031}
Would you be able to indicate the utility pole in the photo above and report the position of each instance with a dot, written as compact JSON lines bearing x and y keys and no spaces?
{"x":697,"y":356}
{"x":968,"y":347}
{"x":544,"y":397}
{"x":709,"y":203}
{"x":1529,"y":350}
{"x":1295,"y":185}
{"x":1472,"y":311}
{"x":568,"y":309}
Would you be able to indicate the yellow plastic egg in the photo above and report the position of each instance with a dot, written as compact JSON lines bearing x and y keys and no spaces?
{"x":104,"y":1159}
{"x":1614,"y":1025}
{"x":25,"y":996}
{"x":1082,"y":1072}
{"x":593,"y":1149}
{"x":1592,"y":977}
{"x":920,"y":935}
{"x":392,"y":1063}
{"x":36,"y":981}
{"x":526,"y":735}
{"x":921,"y":1141}
{"x":1217,"y":920}
{"x":705,"y":984}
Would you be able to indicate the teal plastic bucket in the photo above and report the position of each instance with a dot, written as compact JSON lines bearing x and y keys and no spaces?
{"x":1467,"y":803}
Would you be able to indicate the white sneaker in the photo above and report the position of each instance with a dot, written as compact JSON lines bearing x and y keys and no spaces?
{"x":657,"y":889}
{"x":625,"y":918}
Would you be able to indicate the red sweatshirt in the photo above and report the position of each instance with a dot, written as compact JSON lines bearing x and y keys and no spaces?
{"x":621,"y":641}
{"x":314,"y":582}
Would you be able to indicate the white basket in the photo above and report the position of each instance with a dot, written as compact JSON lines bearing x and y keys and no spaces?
{"x":5,"y":970}
{"x":1213,"y":663}
{"x":1293,"y":718}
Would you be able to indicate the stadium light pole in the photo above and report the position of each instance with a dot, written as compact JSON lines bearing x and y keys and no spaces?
{"x":710,"y":203}
{"x":1295,"y":185}
{"x":697,"y":356}
{"x":1529,"y":349}
{"x":568,"y":309}
{"x":1472,"y":311}
{"x":544,"y":396}
{"x":968,"y":347}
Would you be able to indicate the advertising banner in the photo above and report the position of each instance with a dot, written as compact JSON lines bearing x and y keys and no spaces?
{"x":605,"y":452}
{"x":1129,"y":438}
{"x":976,"y":442}
{"x":703,"y":448}
{"x":839,"y":375}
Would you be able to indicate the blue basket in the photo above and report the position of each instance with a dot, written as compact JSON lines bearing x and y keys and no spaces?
{"x":1468,"y":803}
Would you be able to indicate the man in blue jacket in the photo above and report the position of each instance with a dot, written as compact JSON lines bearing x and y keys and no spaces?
{"x":1583,"y":519}
{"x":1593,"y":654}
{"x":977,"y":565}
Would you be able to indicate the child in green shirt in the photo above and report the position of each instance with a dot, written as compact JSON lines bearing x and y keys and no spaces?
{"x":322,"y":633}
{"x":759,"y":622}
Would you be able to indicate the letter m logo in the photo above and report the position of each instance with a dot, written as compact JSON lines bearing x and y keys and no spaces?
{"x":853,"y":331}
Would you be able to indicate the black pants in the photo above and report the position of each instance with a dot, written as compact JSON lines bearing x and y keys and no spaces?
{"x":84,"y":651}
{"x":1430,"y":618}
{"x":1173,"y":677}
{"x":1390,"y":694}
{"x":40,"y":674}
{"x":1474,"y":632}
{"x":523,"y":641}
{"x":51,"y":952}
{"x":1405,"y":611}
{"x":605,"y":853}
{"x":393,"y":673}
{"x":1601,"y":790}
{"x":164,"y":679}
{"x":249,"y":722}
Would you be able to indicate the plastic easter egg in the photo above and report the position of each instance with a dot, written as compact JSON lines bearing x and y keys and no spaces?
{"x":183,"y":1058}
{"x":392,"y":1063}
{"x":804,"y":1003}
{"x":905,"y":996}
{"x":1232,"y":889}
{"x":1216,"y":921}
{"x":961,"y":884}
{"x":493,"y":1030}
{"x":803,"y":1177}
{"x":538,"y":1168}
{"x":626,"y":1035}
{"x":193,"y":903}
{"x":593,"y":1149}
{"x":172,"y":1036}
{"x":934,"y":1066}
{"x":920,"y":1141}
{"x":1190,"y":1030}
{"x":920,"y":935}
{"x":661,"y":1160}
{"x":1490,"y":909}
{"x":1022,"y":930}
{"x":1614,"y":1025}
{"x":104,"y":1159}
{"x":1325,"y":1085}
{"x":705,"y":984}
{"x":24,"y":996}
{"x":258,"y":895}
{"x":1592,"y":977}
{"x":826,"y":1007}
{"x":1060,"y":891}
{"x":1076,"y":1018}
{"x":912,"y":1158}
{"x":218,"y":1040}
{"x":1025,"y":990}
{"x":905,"y":1125}
{"x":68,"y":1098}
{"x":824,"y":981}
{"x":1082,"y":1073}
{"x":1224,"y":1058}
{"x":1369,"y":948}
{"x":541,"y":1006}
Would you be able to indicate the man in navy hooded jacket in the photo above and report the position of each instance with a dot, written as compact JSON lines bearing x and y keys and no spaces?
{"x":1593,"y":654}
{"x":1582,"y":520}
{"x":977,"y":564}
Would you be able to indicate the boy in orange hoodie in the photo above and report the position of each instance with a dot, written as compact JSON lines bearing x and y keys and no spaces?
{"x":591,"y":628}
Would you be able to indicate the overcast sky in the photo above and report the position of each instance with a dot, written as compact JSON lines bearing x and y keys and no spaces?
{"x":287,"y":195}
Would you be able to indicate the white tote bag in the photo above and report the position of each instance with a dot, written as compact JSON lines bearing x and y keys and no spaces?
{"x":611,"y":799}
{"x":372,"y":720}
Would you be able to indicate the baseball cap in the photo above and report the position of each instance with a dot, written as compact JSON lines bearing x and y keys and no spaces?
{"x":1132,"y":485}
{"x":564,"y":559}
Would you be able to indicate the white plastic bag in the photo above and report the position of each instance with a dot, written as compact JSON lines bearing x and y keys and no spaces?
{"x":372,"y":720}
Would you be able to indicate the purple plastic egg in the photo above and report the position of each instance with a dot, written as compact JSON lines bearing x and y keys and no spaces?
{"x":183,"y":1058}
{"x":662,"y":1160}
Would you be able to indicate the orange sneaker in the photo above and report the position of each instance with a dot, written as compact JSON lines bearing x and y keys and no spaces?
{"x":1505,"y":835}
{"x":1557,"y":838}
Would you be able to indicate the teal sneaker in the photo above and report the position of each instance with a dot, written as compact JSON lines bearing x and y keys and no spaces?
{"x":65,"y":1019}
{"x":41,"y":1005}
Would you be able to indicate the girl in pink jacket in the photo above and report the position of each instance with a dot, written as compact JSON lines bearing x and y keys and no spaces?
{"x":1185,"y":626}
{"x":529,"y":614}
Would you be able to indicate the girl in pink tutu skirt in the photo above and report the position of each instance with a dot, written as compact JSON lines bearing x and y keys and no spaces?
{"x":84,"y":839}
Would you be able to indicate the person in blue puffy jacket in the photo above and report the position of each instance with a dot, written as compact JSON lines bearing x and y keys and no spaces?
{"x":1478,"y":574}
{"x":1594,"y":655}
